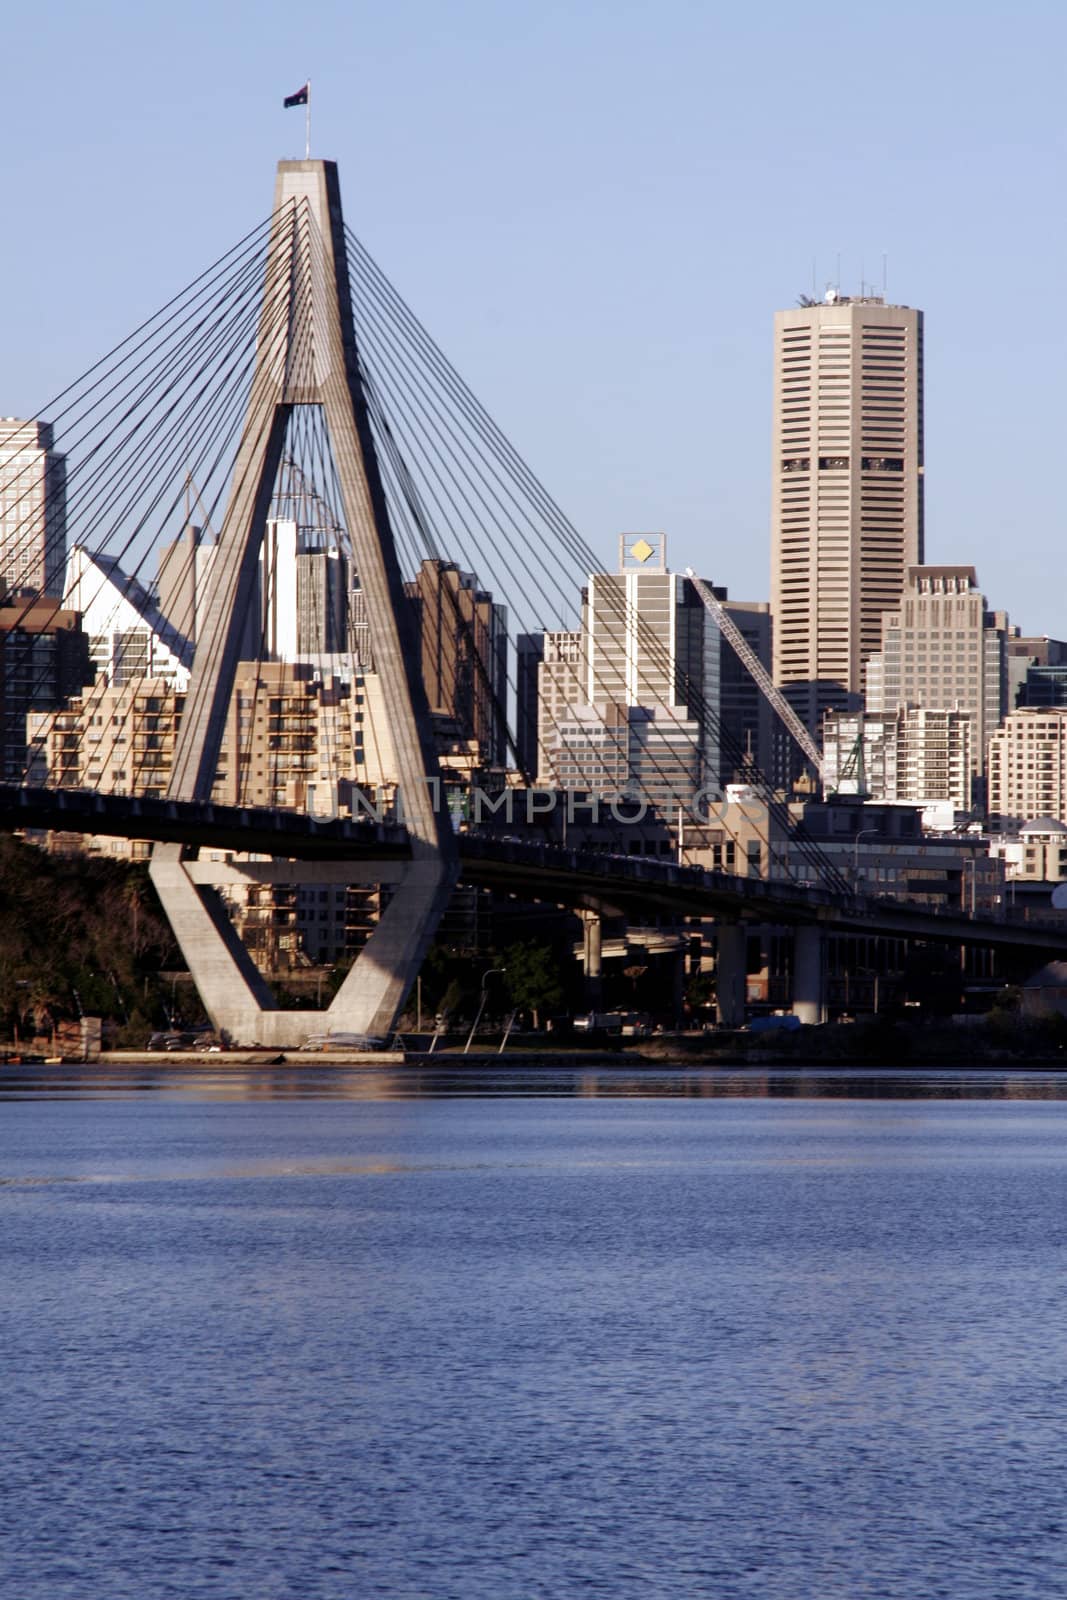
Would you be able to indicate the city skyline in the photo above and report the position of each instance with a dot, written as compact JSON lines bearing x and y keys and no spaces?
{"x":531,"y":265}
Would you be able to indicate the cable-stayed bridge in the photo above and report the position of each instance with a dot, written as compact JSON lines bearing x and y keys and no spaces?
{"x":301,"y":548}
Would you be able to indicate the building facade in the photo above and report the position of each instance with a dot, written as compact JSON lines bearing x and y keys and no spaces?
{"x":44,"y":658}
{"x":912,"y":755}
{"x":847,"y":490}
{"x":631,"y":702}
{"x":33,"y":509}
{"x":129,"y":637}
{"x":942,"y":648}
{"x":464,"y":655}
{"x":754,"y":744}
{"x":1028,"y":767}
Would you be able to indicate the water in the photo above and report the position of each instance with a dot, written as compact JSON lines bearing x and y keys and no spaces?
{"x":525,"y":1335}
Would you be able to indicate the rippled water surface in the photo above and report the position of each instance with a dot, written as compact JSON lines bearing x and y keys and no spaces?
{"x":532,"y":1334}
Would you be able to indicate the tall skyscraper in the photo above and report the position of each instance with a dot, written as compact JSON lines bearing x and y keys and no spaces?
{"x":847,"y":490}
{"x":33,"y":508}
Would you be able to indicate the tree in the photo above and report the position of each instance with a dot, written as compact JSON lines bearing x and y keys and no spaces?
{"x":532,"y":978}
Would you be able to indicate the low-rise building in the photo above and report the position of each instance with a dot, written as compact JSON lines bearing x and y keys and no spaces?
{"x":1036,"y":854}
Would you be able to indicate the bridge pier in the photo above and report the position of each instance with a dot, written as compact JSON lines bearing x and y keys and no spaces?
{"x":730,"y":974}
{"x":809,"y":990}
{"x":592,"y":958}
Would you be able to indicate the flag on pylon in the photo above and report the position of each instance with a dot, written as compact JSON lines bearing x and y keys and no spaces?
{"x":300,"y":98}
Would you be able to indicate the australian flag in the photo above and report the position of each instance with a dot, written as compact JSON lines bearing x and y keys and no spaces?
{"x":300,"y":98}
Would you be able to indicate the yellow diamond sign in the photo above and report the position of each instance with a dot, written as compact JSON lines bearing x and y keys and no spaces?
{"x":642,"y":550}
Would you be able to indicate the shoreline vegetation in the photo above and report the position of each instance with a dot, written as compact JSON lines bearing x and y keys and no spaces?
{"x":85,"y":936}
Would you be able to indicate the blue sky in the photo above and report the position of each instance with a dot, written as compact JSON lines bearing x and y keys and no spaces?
{"x":596,"y":208}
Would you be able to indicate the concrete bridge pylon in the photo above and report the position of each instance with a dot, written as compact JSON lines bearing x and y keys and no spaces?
{"x":306,"y":355}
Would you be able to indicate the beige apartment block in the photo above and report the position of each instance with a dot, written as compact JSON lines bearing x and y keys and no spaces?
{"x":943,"y":648}
{"x":292,"y":739}
{"x":846,"y":490}
{"x":1028,"y":767}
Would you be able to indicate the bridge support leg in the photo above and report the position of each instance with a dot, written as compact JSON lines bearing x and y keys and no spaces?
{"x":730,"y":974}
{"x":678,"y":987}
{"x":809,"y":1000}
{"x":592,"y":943}
{"x":232,"y":991}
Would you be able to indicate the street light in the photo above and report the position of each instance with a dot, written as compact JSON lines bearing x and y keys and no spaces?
{"x":864,"y":833}
{"x":485,"y":978}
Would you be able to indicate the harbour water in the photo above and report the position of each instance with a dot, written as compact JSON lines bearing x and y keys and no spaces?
{"x":533,"y":1334}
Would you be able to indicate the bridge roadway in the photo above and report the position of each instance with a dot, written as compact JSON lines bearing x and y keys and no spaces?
{"x":638,"y":886}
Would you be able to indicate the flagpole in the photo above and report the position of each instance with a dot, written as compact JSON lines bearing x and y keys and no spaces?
{"x":307,"y":124}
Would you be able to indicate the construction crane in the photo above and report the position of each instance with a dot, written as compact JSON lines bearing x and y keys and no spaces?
{"x":759,"y":672}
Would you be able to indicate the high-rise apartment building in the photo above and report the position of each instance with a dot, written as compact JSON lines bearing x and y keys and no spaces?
{"x":912,"y":755}
{"x":464,"y":655}
{"x":1028,"y":767}
{"x":33,"y":508}
{"x":847,"y":490}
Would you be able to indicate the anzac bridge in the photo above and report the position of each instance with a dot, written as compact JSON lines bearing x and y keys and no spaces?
{"x":291,"y":369}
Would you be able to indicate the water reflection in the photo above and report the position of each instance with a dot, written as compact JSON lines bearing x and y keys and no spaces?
{"x":527,"y":1080}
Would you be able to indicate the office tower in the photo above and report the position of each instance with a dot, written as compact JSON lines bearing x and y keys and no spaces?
{"x":183,"y":571}
{"x":305,"y":595}
{"x":561,"y":690}
{"x":321,"y":603}
{"x":529,"y":654}
{"x":33,"y":508}
{"x":1034,"y":651}
{"x":1043,"y":686}
{"x":649,"y":640}
{"x":1028,"y":766}
{"x":753,"y":740}
{"x":632,"y":700}
{"x":277,"y":578}
{"x":847,"y":490}
{"x":942,"y":648}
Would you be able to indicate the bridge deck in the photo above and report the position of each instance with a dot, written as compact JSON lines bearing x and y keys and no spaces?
{"x":635,"y":885}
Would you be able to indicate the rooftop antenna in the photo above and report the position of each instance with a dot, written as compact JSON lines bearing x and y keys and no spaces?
{"x":837,"y":284}
{"x":814,"y":290}
{"x":885,"y":271}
